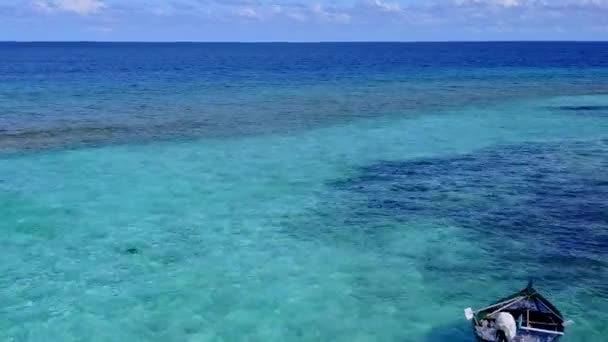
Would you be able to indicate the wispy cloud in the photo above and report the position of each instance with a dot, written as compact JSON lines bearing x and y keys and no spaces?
{"x":248,"y":13}
{"x":331,"y":14}
{"x":344,"y":18}
{"x":503,"y":3}
{"x":43,"y":6}
{"x":81,"y":7}
{"x":291,"y":11}
{"x":387,"y":6}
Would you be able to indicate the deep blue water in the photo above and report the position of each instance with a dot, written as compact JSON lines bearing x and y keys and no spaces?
{"x":74,"y":93}
{"x":298,"y":192}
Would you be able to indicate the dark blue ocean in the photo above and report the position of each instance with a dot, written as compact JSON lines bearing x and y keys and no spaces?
{"x":298,"y":192}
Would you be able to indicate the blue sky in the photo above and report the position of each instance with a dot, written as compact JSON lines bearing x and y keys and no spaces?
{"x":300,"y":20}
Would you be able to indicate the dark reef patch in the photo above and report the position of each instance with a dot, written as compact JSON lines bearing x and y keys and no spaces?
{"x":538,"y":208}
{"x":557,"y":192}
{"x":584,"y":108}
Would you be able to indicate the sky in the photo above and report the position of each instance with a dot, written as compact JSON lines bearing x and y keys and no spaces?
{"x":301,"y":20}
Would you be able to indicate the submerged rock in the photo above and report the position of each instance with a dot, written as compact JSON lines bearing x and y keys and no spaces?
{"x":132,"y":250}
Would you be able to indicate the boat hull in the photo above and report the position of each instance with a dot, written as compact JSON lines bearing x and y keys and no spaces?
{"x":525,"y":338}
{"x":521,"y":337}
{"x":538,"y":320}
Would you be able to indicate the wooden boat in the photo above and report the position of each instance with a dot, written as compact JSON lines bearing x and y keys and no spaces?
{"x":525,"y":316}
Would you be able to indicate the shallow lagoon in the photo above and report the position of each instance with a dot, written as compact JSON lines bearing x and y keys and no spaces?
{"x":380,"y":229}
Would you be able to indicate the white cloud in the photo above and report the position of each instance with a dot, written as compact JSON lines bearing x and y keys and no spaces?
{"x":276,"y":9}
{"x":595,"y":2}
{"x":82,"y":7}
{"x":292,"y":11}
{"x":502,"y":3}
{"x":43,"y":6}
{"x":387,"y":6}
{"x":508,"y":3}
{"x":248,"y":13}
{"x":337,"y":17}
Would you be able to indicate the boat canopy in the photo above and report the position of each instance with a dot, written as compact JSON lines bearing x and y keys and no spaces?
{"x":528,"y":299}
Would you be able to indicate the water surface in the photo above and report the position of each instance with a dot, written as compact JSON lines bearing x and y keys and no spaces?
{"x":171,"y":192}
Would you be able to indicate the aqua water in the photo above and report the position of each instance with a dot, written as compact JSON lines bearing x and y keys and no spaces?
{"x":298,"y":192}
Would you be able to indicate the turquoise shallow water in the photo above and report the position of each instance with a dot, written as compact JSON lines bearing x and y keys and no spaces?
{"x":280,"y":236}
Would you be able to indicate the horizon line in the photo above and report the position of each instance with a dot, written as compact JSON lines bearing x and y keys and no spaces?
{"x":300,"y":42}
